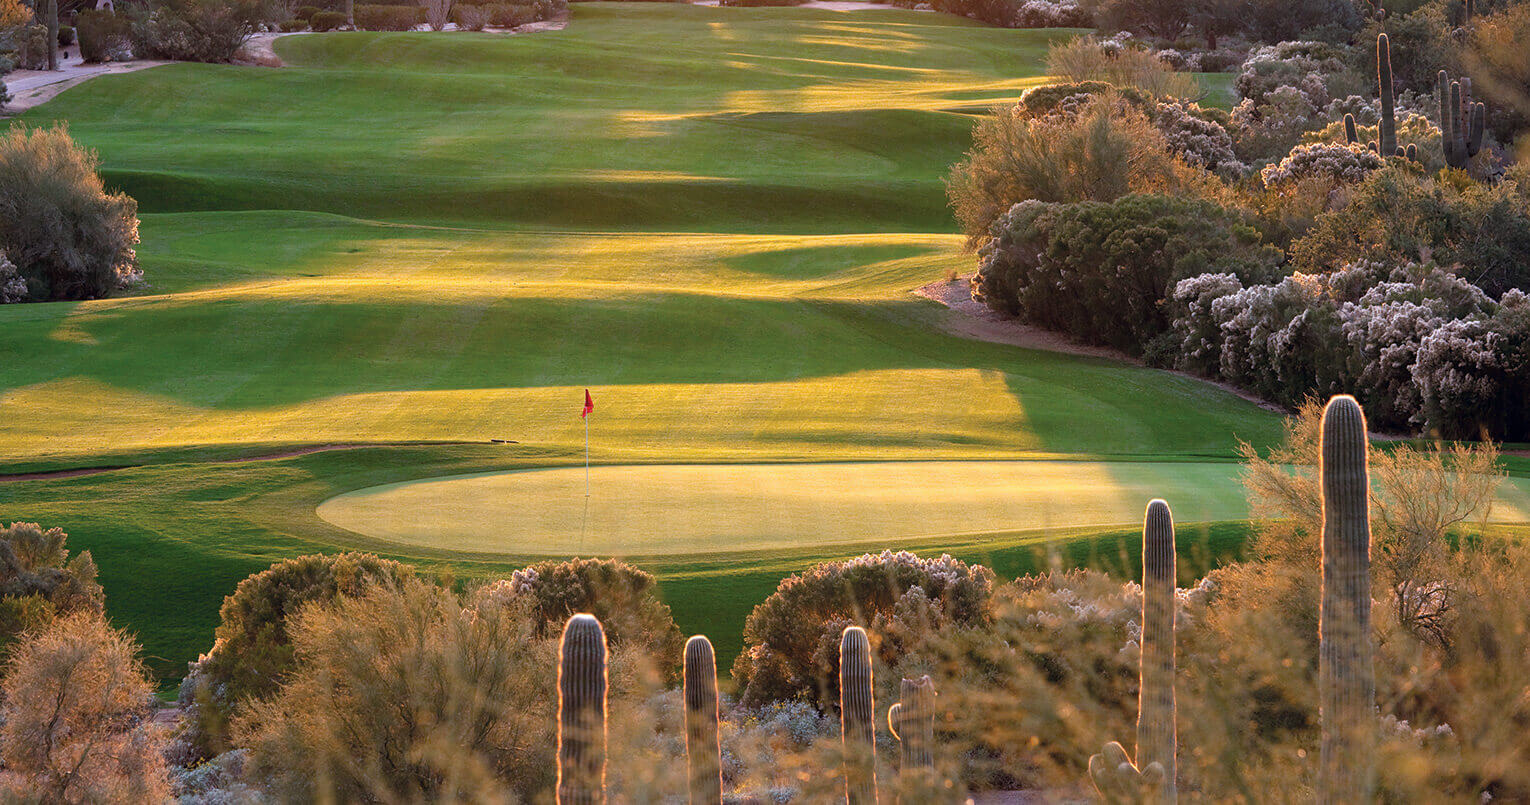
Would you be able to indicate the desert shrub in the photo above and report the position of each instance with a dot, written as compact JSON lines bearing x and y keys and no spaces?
{"x":74,"y":726}
{"x":328,"y":21}
{"x":1339,"y":163}
{"x":103,"y":36}
{"x":1069,"y":97}
{"x":623,"y":597}
{"x":13,"y":286}
{"x":252,"y":646}
{"x":388,"y":18}
{"x":1088,"y":58}
{"x":31,"y":46}
{"x":1165,"y":19}
{"x":1101,"y":152}
{"x":305,"y":13}
{"x":1412,"y":128}
{"x":65,"y":234}
{"x":1020,"y":13}
{"x":1394,"y":215}
{"x":1197,"y":138}
{"x":1308,"y":66}
{"x":471,"y":18}
{"x":39,"y":581}
{"x":505,"y":15}
{"x":442,"y":697}
{"x":65,"y":36}
{"x":1100,"y":271}
{"x":792,"y":638}
{"x":193,"y":30}
{"x":437,"y":13}
{"x":292,"y":25}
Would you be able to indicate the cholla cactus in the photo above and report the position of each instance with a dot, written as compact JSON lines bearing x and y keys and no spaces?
{"x":912,"y":721}
{"x":702,"y":751}
{"x":1346,"y":674}
{"x":1156,"y":733}
{"x":1120,"y":781}
{"x":582,"y":712}
{"x":856,"y":709}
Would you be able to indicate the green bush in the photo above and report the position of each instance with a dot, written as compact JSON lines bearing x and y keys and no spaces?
{"x":39,"y":581}
{"x":327,"y":21}
{"x":67,"y":236}
{"x":623,"y":597}
{"x":103,"y":36}
{"x":792,"y":638}
{"x":505,"y":15}
{"x":388,"y":18}
{"x":1101,"y":271}
{"x":1101,"y":149}
{"x":193,"y":30}
{"x":252,"y":648}
{"x":31,"y":46}
{"x":65,"y":36}
{"x":293,"y":25}
{"x":470,"y":17}
{"x":305,"y":13}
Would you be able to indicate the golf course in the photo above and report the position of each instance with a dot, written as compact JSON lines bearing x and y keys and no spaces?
{"x":380,"y":278}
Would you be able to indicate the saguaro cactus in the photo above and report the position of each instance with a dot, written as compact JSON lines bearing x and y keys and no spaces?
{"x":1156,"y":732}
{"x":50,"y":17}
{"x":702,"y":751}
{"x":582,"y":712}
{"x":1351,"y":135}
{"x":1387,"y":131}
{"x":1346,"y":673}
{"x":1461,"y":120}
{"x":912,"y":721}
{"x":856,"y":709}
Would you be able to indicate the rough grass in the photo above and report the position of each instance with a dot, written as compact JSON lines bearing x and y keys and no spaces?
{"x":712,"y":216}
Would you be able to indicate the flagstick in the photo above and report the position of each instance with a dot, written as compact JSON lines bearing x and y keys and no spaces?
{"x":586,"y":455}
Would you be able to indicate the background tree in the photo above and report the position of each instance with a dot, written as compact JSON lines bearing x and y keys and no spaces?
{"x":50,"y":18}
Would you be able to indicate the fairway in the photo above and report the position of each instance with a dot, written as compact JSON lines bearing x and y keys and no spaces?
{"x":416,"y":244}
{"x":694,"y":509}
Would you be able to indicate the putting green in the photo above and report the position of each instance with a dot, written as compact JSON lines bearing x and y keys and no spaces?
{"x":712,"y":508}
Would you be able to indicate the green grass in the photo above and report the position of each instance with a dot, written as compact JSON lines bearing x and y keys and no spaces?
{"x":712,"y":217}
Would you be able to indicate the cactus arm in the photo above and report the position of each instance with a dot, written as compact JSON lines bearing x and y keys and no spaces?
{"x":703,"y":750}
{"x":1475,"y":129}
{"x":1346,"y":671}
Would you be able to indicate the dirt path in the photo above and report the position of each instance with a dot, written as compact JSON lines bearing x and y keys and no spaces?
{"x":293,"y":453}
{"x":972,"y":319}
{"x":260,"y":50}
{"x":31,"y":88}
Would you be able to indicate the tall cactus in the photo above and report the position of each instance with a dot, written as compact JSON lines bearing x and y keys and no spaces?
{"x":1156,"y":733}
{"x":912,"y":721}
{"x":703,"y":753}
{"x":1387,"y":132}
{"x":856,"y":710}
{"x":1346,"y":673}
{"x":582,"y":712}
{"x":50,"y":17}
{"x":1461,"y":120}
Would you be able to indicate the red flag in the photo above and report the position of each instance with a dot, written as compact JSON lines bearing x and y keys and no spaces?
{"x":589,"y":404}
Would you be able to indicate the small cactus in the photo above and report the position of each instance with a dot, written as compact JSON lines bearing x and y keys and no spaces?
{"x":1120,"y":781}
{"x":1346,"y":673}
{"x":1156,"y":732}
{"x":1387,"y":131}
{"x":1351,"y":134}
{"x":1411,"y":153}
{"x":912,"y":721}
{"x":856,"y":709}
{"x":702,"y":751}
{"x":582,"y":712}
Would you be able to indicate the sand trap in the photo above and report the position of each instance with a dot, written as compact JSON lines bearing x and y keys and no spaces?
{"x":709,"y":508}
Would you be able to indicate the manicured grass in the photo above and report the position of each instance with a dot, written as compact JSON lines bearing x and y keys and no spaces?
{"x":711,"y":217}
